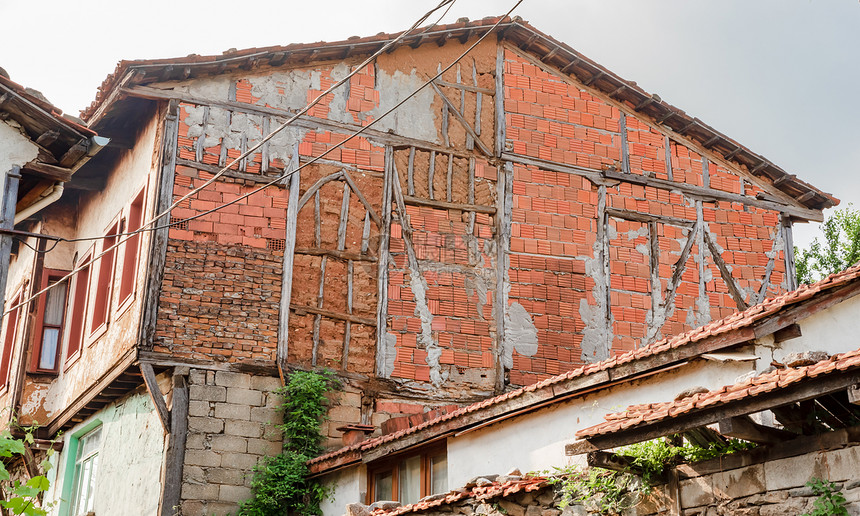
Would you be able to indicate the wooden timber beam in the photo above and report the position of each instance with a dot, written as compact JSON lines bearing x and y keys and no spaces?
{"x":156,"y":395}
{"x":742,"y":427}
{"x":46,"y":171}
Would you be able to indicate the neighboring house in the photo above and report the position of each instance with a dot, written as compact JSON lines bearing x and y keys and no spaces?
{"x":806,"y":413}
{"x":527,"y":213}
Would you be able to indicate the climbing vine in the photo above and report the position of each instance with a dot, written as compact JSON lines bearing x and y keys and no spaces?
{"x":280,"y":484}
{"x":18,"y":497}
{"x":611,"y":492}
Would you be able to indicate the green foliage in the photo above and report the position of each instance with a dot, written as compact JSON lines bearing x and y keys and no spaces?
{"x":830,"y":501}
{"x":22,"y":497}
{"x":611,"y":492}
{"x":839,"y":250}
{"x":280,"y":483}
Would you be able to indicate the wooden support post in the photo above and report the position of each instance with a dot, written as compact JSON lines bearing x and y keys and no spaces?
{"x":673,"y":488}
{"x":175,"y":455}
{"x":788,"y":251}
{"x":504,"y":189}
{"x":460,"y":118}
{"x":625,"y":146}
{"x":289,"y":257}
{"x":854,"y":394}
{"x":382,"y":270}
{"x":430,"y":173}
{"x":410,"y":181}
{"x":734,"y":290}
{"x":450,"y":178}
{"x":667,"y":154}
{"x":155,"y":393}
{"x":341,"y":243}
{"x":7,"y":221}
{"x":321,"y":291}
{"x":603,"y":238}
{"x":499,"y":99}
{"x":158,"y":245}
{"x":706,"y":172}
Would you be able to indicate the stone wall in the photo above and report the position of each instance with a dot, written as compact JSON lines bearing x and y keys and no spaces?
{"x":231,"y":418}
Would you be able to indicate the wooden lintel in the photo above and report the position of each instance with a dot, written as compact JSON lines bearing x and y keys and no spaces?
{"x":443,"y":205}
{"x":792,"y":331}
{"x":301,"y":310}
{"x":742,"y":427}
{"x":647,"y":217}
{"x":465,"y":87}
{"x":235,"y":174}
{"x":332,"y":253}
{"x":52,"y":172}
{"x":155,"y":393}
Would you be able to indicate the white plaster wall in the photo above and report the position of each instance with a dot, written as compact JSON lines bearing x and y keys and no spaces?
{"x":128,"y":479}
{"x":15,"y":148}
{"x":835,"y":330}
{"x":348,"y":486}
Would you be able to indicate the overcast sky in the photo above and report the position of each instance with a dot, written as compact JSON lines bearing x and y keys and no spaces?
{"x":776,"y":75}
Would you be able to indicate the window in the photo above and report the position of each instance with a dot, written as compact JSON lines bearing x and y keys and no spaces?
{"x":11,"y":321}
{"x":49,"y":328}
{"x":79,"y":308}
{"x":407,"y":479}
{"x":86,"y":467}
{"x":134,"y":220}
{"x":101,"y":304}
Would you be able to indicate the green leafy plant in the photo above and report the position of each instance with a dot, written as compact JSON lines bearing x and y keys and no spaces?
{"x":839,"y":249}
{"x":830,"y":501}
{"x":280,"y":484}
{"x":611,"y":492}
{"x":23,"y":497}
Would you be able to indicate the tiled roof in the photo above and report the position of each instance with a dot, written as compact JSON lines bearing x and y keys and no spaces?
{"x":738,"y":320}
{"x":485,"y":492}
{"x":779,"y":379}
{"x":548,"y":50}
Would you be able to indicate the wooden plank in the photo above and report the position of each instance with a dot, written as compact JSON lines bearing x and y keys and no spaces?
{"x":854,"y":394}
{"x":7,"y":221}
{"x":460,"y":118}
{"x":46,"y":171}
{"x":667,"y":155}
{"x":75,"y":152}
{"x":718,"y":195}
{"x":625,"y":146}
{"x":156,"y":395}
{"x":289,"y":258}
{"x":314,"y":189}
{"x":175,"y":455}
{"x":499,"y":99}
{"x":410,"y":181}
{"x":479,"y":97}
{"x":212,"y":169}
{"x":303,"y":310}
{"x":706,"y":172}
{"x":593,"y":175}
{"x":648,"y":218}
{"x":321,"y":288}
{"x":444,"y":205}
{"x":450,"y":178}
{"x":382,"y":270}
{"x":367,"y":206}
{"x":336,"y":254}
{"x":725,"y":273}
{"x":788,"y":251}
{"x":465,"y":87}
{"x":580,"y":447}
{"x":503,"y":223}
{"x":742,"y":427}
{"x":431,"y":172}
{"x":158,"y":242}
{"x":792,"y":331}
{"x":673,"y":491}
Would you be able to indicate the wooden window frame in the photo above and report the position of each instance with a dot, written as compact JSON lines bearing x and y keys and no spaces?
{"x":393,"y":464}
{"x":80,"y":296}
{"x":36,"y":336}
{"x":134,"y":218}
{"x":12,"y":322}
{"x":104,"y":283}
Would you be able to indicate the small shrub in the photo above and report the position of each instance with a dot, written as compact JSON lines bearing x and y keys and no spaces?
{"x":830,"y":501}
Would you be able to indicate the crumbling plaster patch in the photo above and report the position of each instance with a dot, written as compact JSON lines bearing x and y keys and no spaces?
{"x":415,"y":118}
{"x":520,"y":334}
{"x":15,"y":147}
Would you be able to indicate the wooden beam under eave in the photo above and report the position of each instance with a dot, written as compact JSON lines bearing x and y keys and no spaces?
{"x":46,"y":171}
{"x":742,"y":427}
{"x":156,"y":395}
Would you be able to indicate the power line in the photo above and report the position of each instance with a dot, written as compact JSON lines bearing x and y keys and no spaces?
{"x":279,"y":178}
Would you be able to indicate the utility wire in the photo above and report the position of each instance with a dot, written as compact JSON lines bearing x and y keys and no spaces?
{"x":276,"y":179}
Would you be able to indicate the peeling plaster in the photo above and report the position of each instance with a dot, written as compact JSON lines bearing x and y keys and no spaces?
{"x":15,"y":148}
{"x":520,"y":334}
{"x":32,"y":403}
{"x":426,"y":340}
{"x":598,"y":318}
{"x":405,"y":121}
{"x":390,"y":355}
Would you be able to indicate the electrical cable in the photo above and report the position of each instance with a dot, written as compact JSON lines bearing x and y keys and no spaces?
{"x":276,"y":179}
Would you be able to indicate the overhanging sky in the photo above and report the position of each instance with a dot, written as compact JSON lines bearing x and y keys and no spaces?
{"x":776,"y":75}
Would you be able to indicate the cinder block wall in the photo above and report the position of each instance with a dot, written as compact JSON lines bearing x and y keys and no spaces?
{"x":231,"y":418}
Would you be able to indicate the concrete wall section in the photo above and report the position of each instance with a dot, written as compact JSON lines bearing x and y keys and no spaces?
{"x":131,"y":455}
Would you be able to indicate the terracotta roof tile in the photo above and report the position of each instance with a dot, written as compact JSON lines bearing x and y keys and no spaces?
{"x":719,"y":327}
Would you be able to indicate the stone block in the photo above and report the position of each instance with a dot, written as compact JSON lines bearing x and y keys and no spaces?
{"x":351,"y":399}
{"x":265,"y":383}
{"x":195,"y":441}
{"x":193,"y":474}
{"x":244,"y":396}
{"x":230,"y":493}
{"x":208,"y":425}
{"x":220,"y":509}
{"x":511,"y":508}
{"x":242,"y":461}
{"x":232,"y":411}
{"x":534,"y":510}
{"x":228,"y":379}
{"x":193,"y":508}
{"x":207,"y":393}
{"x":696,"y":492}
{"x":197,"y":377}
{"x":210,"y":377}
{"x":229,"y":443}
{"x":204,"y":458}
{"x":243,"y":428}
{"x":264,"y":447}
{"x":266,"y":415}
{"x":198,"y":408}
{"x":737,"y":483}
{"x":273,"y":400}
{"x":345,"y":414}
{"x":793,"y":471}
{"x":200,"y":491}
{"x":842,"y":464}
{"x":234,"y":477}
